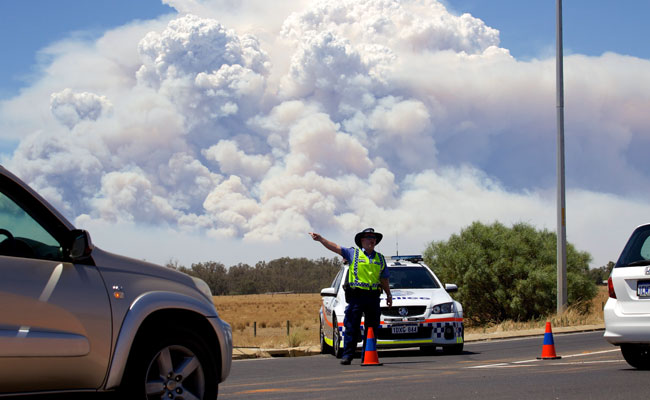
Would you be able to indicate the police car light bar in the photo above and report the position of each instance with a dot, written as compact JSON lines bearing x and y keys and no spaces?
{"x":412,"y":258}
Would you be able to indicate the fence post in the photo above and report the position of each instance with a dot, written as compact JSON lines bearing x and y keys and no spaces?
{"x":287,"y":327}
{"x":254,"y":328}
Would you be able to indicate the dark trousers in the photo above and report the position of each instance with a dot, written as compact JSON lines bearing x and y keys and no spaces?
{"x":366,"y":304}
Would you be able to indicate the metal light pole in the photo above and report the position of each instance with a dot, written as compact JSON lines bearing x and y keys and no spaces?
{"x":561,"y":203}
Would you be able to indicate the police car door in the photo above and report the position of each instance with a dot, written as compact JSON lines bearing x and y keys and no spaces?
{"x":329,"y":304}
{"x":55,"y":323}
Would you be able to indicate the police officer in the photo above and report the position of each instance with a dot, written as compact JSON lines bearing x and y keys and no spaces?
{"x":366,"y":277}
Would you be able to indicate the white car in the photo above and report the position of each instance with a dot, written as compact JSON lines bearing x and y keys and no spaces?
{"x":627,"y":311}
{"x":423,"y":313}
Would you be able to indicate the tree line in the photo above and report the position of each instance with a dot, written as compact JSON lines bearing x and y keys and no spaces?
{"x":297,"y":275}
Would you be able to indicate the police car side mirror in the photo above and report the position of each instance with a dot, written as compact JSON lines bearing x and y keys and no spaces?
{"x":451,"y":287}
{"x":328,"y":292}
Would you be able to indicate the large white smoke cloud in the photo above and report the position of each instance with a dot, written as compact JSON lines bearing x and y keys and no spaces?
{"x":331,"y":117}
{"x":71,"y":108}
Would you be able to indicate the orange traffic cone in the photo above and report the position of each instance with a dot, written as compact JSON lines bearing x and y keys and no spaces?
{"x":548,"y":348}
{"x":370,"y":354}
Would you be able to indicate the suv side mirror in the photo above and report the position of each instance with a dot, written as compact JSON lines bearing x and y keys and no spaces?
{"x":81,"y":246}
{"x":330,"y":291}
{"x":451,"y":287}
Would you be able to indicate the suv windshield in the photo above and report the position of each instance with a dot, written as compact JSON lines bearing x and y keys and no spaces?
{"x":637,"y":249}
{"x":411,"y":278}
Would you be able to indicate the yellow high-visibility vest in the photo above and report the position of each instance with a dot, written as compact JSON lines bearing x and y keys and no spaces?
{"x":364,"y":273}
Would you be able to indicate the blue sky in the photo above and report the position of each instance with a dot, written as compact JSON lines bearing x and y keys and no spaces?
{"x":591,"y":27}
{"x":28,"y":26}
{"x":527,"y":28}
{"x":162,"y":154}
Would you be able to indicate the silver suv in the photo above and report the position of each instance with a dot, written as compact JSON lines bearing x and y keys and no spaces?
{"x":77,"y":318}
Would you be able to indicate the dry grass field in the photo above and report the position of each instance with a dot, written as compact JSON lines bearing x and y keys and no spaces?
{"x":568,"y":318}
{"x":269,"y":313}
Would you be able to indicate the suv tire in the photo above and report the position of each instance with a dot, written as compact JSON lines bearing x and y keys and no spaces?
{"x":176,"y":362}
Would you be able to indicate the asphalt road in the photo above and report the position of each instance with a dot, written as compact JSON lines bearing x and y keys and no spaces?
{"x":590,"y":368}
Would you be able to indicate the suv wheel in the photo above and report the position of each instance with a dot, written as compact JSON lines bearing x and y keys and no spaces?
{"x":636,"y":355}
{"x":176,"y":364}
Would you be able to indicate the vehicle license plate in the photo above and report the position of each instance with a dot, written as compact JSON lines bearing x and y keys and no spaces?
{"x":404,"y":329}
{"x":643,"y":289}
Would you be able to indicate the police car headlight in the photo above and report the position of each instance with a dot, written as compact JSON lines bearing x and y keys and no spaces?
{"x":444,"y":308}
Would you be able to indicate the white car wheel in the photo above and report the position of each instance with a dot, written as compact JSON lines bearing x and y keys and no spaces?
{"x":453,"y":349}
{"x":338,"y":350}
{"x":636,"y":355}
{"x":324,"y":347}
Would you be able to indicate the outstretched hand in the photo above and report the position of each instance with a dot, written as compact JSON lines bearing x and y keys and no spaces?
{"x":328,"y":245}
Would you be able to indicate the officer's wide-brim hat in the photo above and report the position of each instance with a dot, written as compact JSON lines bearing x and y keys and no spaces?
{"x":367,"y":231}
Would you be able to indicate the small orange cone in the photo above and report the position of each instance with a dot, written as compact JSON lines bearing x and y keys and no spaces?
{"x":370,"y":354}
{"x":548,"y":348}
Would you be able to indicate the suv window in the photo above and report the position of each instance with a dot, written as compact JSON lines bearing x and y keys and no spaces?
{"x":23,"y":236}
{"x":411,"y":278}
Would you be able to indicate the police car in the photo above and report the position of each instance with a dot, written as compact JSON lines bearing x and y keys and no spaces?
{"x":423,"y":313}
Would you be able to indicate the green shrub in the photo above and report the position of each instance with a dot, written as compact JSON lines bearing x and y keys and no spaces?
{"x":508,"y":273}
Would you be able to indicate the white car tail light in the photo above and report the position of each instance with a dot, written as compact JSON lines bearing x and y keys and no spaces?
{"x":610,"y":288}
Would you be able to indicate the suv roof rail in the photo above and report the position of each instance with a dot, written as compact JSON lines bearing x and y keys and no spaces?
{"x":411,"y":258}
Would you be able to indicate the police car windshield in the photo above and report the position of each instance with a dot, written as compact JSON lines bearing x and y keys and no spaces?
{"x":411,"y":278}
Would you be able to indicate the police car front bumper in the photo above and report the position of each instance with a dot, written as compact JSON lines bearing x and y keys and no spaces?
{"x":425,"y":332}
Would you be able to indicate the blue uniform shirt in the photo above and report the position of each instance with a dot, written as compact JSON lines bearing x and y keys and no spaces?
{"x":348,"y":254}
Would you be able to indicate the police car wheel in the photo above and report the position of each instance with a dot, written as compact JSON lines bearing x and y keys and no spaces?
{"x":338,"y":350}
{"x":453,"y":349}
{"x":324,"y":347}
